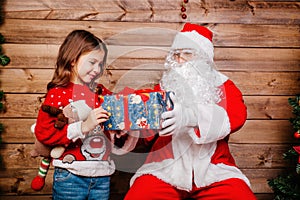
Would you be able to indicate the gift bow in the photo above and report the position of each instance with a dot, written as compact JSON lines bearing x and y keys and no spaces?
{"x":144,"y":94}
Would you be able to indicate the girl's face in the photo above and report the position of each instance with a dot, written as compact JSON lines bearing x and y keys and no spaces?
{"x":89,"y":66}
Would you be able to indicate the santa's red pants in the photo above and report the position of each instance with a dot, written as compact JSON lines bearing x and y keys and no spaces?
{"x":148,"y":187}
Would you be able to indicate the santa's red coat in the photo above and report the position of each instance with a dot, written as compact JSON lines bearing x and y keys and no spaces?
{"x":200,"y":156}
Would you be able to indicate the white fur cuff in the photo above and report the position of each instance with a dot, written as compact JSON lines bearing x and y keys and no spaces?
{"x":74,"y":131}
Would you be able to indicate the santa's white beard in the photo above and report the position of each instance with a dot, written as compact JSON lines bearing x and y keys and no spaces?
{"x":193,"y":82}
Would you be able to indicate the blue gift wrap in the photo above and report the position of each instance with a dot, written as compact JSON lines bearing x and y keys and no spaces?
{"x":136,"y":111}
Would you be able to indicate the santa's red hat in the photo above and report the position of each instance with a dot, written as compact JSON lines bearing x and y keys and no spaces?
{"x":196,"y":37}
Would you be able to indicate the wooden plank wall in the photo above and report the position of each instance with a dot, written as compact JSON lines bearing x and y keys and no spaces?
{"x":256,"y":44}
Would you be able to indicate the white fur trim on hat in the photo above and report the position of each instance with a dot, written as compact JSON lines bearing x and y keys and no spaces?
{"x":194,"y":40}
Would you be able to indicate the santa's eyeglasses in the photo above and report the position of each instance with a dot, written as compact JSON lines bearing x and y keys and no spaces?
{"x":183,"y":55}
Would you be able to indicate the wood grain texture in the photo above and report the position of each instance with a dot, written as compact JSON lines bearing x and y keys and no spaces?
{"x":258,"y":166}
{"x":250,"y":83}
{"x":265,"y":156}
{"x":16,"y":185}
{"x":209,"y":11}
{"x":128,"y":57}
{"x":157,"y":34}
{"x":257,"y":45}
{"x":254,"y":131}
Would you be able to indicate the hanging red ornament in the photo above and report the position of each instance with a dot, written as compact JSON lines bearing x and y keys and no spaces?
{"x":183,"y":9}
{"x":297,"y":149}
{"x":297,"y":134}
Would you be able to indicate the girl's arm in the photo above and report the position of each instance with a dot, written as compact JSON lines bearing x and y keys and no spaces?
{"x":46,"y":130}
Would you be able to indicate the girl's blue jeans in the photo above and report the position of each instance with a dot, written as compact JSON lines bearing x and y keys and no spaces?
{"x":68,"y":186}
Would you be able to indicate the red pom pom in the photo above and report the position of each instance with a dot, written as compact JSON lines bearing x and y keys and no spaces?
{"x":297,"y":135}
{"x":37,"y":183}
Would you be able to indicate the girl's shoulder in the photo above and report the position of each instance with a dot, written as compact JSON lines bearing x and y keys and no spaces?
{"x":60,"y":91}
{"x":58,"y":96}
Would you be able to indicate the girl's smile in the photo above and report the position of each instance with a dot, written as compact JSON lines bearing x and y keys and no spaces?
{"x":89,"y":66}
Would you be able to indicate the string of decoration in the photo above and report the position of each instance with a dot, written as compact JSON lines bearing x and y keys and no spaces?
{"x":183,"y":9}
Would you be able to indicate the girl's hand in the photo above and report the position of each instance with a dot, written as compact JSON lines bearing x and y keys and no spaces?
{"x":96,"y":116}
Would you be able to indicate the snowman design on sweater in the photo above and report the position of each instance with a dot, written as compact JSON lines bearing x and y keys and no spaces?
{"x":94,"y":147}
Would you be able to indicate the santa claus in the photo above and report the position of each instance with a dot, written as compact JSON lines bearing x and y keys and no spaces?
{"x":191,"y":158}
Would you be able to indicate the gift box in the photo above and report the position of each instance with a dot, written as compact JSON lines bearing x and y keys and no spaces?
{"x":135,"y":110}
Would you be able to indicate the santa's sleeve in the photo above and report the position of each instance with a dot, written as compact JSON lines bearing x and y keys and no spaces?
{"x":216,"y":121}
{"x":45,"y":130}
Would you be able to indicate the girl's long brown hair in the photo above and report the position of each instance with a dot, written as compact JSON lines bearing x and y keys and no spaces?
{"x":76,"y":44}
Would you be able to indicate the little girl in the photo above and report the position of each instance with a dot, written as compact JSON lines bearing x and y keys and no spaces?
{"x":84,"y":169}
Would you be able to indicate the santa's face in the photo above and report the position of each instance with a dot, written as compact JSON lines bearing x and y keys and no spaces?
{"x":177,"y":57}
{"x":183,"y":55}
{"x":191,"y":76}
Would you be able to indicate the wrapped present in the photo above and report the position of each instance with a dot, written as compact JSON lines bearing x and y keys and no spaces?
{"x":135,"y":110}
